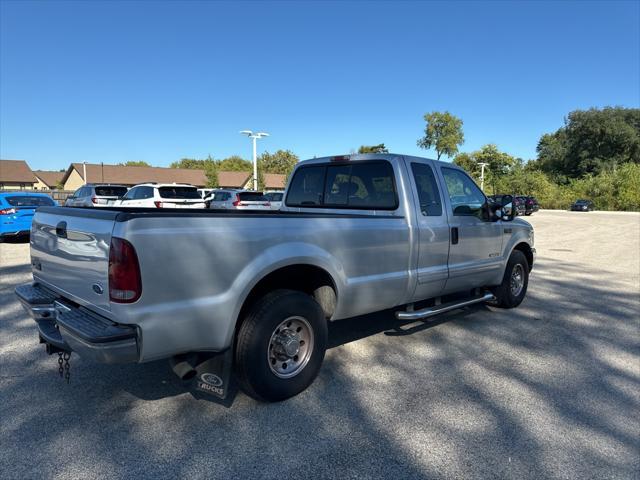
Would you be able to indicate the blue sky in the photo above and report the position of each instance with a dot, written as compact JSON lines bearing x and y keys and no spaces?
{"x":157,"y":81}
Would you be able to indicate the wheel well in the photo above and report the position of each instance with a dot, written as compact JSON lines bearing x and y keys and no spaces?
{"x":526,"y":249}
{"x":309,"y":279}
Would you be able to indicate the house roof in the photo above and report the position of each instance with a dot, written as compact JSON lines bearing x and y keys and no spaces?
{"x":274,"y":180}
{"x":233,"y":179}
{"x":50,"y":179}
{"x":126,"y":175}
{"x":16,"y":171}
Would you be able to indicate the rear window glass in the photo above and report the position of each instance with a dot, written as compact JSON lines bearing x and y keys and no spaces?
{"x":28,"y":201}
{"x":221,"y":196}
{"x":179,"y":192}
{"x":252,"y":197}
{"x":111,"y":191}
{"x":359,"y":185}
{"x":274,"y":197}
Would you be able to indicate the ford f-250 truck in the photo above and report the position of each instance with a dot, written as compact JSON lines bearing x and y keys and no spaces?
{"x":251,"y":292}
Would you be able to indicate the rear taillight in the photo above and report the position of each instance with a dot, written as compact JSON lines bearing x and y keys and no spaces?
{"x":237,"y":201}
{"x":125,"y":285}
{"x":158,"y":204}
{"x":99,"y":201}
{"x":267,"y":204}
{"x":8,"y":211}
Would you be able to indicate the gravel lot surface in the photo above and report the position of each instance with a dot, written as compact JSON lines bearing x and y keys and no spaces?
{"x":548,"y":390}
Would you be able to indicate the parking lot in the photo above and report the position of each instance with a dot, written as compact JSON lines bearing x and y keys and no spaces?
{"x":550,"y":389}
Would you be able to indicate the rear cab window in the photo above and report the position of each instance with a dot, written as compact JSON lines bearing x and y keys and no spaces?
{"x":362,"y":185}
{"x":29,"y":201}
{"x":179,"y":192}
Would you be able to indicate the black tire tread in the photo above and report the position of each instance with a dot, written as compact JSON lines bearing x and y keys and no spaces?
{"x":502,"y":292}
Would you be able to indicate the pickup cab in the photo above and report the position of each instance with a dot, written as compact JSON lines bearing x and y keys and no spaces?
{"x":355,"y":234}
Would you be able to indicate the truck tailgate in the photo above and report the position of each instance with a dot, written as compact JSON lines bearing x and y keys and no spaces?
{"x":70,"y":253}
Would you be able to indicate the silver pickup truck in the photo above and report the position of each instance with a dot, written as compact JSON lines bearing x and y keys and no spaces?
{"x":251,"y":292}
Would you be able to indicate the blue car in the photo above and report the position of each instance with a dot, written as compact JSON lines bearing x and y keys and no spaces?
{"x":17,"y":209}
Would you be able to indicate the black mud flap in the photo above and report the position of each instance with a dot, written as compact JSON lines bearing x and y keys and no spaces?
{"x":208,"y":373}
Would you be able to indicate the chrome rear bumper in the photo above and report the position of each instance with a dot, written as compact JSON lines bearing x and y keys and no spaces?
{"x":68,"y":327}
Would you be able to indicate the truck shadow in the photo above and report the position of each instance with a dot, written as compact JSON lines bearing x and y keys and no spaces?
{"x":545,"y":390}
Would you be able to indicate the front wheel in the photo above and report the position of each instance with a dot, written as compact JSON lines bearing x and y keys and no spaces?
{"x":281,"y":345}
{"x":512,"y":290}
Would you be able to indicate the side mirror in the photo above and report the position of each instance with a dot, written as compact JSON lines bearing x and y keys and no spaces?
{"x":508,"y":211}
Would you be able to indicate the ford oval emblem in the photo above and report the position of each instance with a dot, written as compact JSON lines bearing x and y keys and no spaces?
{"x":97,"y":288}
{"x":212,"y":379}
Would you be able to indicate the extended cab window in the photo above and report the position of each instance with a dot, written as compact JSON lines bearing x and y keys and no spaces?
{"x":466,"y":198}
{"x":362,"y":185}
{"x":428,"y":192}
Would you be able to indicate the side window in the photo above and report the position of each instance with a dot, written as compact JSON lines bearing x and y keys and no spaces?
{"x":428,"y":193}
{"x":466,"y":198}
{"x":144,"y":192}
{"x":130,"y":194}
{"x":307,"y":187}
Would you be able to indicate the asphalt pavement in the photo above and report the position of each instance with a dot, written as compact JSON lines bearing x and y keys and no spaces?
{"x":548,"y":390}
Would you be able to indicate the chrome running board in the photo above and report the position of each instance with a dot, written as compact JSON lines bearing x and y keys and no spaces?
{"x":445,"y":307}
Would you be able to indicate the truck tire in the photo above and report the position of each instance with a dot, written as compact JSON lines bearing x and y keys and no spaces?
{"x":512,"y":290}
{"x":280,"y":345}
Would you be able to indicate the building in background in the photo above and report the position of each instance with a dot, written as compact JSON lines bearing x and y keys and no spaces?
{"x":122,"y":175}
{"x":16,"y":175}
{"x":240,"y":180}
{"x":48,"y":180}
{"x":274,"y":181}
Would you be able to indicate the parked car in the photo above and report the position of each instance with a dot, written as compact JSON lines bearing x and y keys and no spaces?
{"x":275,"y":199}
{"x":356,"y":234}
{"x":583,"y":206}
{"x":518,"y":203}
{"x":96,"y":195}
{"x":530,"y":204}
{"x":205,"y":192}
{"x":238,"y":200}
{"x":162,"y":195}
{"x":17,"y":209}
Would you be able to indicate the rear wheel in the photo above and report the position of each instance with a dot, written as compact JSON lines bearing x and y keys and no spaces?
{"x":513,"y":289}
{"x":281,"y":345}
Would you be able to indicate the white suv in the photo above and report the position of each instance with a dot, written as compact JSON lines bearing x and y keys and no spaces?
{"x":162,"y":195}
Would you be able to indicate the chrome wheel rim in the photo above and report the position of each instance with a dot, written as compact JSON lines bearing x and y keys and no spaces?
{"x":517,"y":280}
{"x":290,"y":347}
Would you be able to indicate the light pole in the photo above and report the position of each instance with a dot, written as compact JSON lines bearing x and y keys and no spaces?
{"x":482,"y":165}
{"x":84,"y":171}
{"x":255,"y":137}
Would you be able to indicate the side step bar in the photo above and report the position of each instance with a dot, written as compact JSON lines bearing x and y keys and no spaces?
{"x":445,"y":307}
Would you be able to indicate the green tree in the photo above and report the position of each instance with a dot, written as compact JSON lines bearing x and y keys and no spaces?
{"x":235,"y":163}
{"x":282,"y":161}
{"x":591,"y":142}
{"x":135,"y":163}
{"x":209,"y":165}
{"x":498,"y":164}
{"x":443,"y":132}
{"x":380,"y":148}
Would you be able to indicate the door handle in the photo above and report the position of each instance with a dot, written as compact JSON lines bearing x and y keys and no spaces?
{"x":454,"y":235}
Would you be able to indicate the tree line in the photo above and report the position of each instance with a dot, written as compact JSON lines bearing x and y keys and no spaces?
{"x":594,"y":155}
